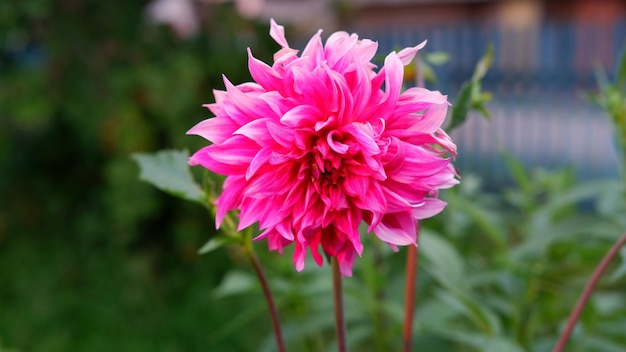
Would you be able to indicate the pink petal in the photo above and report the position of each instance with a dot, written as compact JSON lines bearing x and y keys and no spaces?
{"x":393,"y":78}
{"x":335,"y":145}
{"x":302,"y":115}
{"x":230,"y":198}
{"x":337,"y":46}
{"x":429,"y":208}
{"x":346,"y":260}
{"x":313,"y":52}
{"x":299,"y":254}
{"x":216,"y":130}
{"x":244,"y":107}
{"x":277,"y":32}
{"x":260,"y":159}
{"x":263,"y":74}
{"x":432,"y":120}
{"x":407,"y":55}
{"x":398,"y":229}
{"x":356,"y":185}
{"x":367,"y":50}
{"x":269,"y":184}
{"x":204,"y":158}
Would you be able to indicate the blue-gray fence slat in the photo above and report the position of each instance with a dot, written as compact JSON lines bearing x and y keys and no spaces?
{"x":538,"y":80}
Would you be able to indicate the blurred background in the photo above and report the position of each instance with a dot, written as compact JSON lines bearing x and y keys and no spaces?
{"x":92,"y":259}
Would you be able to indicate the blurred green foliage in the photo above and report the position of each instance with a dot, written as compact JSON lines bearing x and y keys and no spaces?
{"x":611,"y":96}
{"x":90,"y":258}
{"x":499,"y":272}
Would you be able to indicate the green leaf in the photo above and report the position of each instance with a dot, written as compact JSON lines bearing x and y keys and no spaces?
{"x":620,"y":271}
{"x":235,"y":282}
{"x":461,"y":107}
{"x":519,"y":173}
{"x":601,"y":79}
{"x":485,"y":218}
{"x":168,"y":171}
{"x":480,"y":107}
{"x":582,"y":191}
{"x":479,"y":341}
{"x":483,"y":317}
{"x":483,"y":64}
{"x":621,"y":69}
{"x":470,"y":95}
{"x":429,"y":73}
{"x":302,"y":329}
{"x":442,"y":260}
{"x":432,"y":314}
{"x":593,"y":342}
{"x":437,"y":57}
{"x":217,"y":242}
{"x":479,"y":100}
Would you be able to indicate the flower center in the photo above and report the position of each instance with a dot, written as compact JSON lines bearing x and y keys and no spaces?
{"x":327,"y":168}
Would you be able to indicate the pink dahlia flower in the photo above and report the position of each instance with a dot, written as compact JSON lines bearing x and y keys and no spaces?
{"x":321,"y":142}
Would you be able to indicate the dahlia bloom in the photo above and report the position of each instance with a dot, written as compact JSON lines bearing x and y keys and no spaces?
{"x":321,"y":142}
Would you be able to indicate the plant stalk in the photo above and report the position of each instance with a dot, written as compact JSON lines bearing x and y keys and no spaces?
{"x":268,"y":296}
{"x":589,"y":287}
{"x":379,"y":295}
{"x":409,"y":297}
{"x":411,"y":257}
{"x":340,"y":322}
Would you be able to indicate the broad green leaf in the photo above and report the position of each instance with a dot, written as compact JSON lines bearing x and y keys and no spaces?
{"x":481,"y":316}
{"x":581,"y":192}
{"x":461,"y":107}
{"x":480,"y":107}
{"x":620,"y":271}
{"x":621,"y":69}
{"x":481,"y":342}
{"x":519,"y":173}
{"x":429,"y":73}
{"x":593,"y":97}
{"x":235,"y":282}
{"x":168,"y":171}
{"x":217,"y":242}
{"x":437,"y":57}
{"x":442,"y":260}
{"x":485,"y":218}
{"x":608,"y":302}
{"x":501,"y":344}
{"x":395,"y":310}
{"x":602,"y":81}
{"x":470,"y":95}
{"x":431,"y":314}
{"x":483,"y":64}
{"x":297,"y":330}
{"x":239,"y":320}
{"x":593,"y":342}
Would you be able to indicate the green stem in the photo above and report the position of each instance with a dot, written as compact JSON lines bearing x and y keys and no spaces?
{"x":522,"y":323}
{"x":411,"y":258}
{"x":268,"y":295}
{"x":589,"y":287}
{"x":409,"y":297}
{"x":229,"y":227}
{"x":340,"y":322}
{"x":379,"y":296}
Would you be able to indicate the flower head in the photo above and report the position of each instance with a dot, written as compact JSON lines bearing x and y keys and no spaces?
{"x":320,"y":142}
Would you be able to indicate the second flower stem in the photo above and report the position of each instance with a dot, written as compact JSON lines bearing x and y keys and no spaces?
{"x":280,"y":345}
{"x":409,"y":299}
{"x":589,"y":287}
{"x":340,"y":322}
